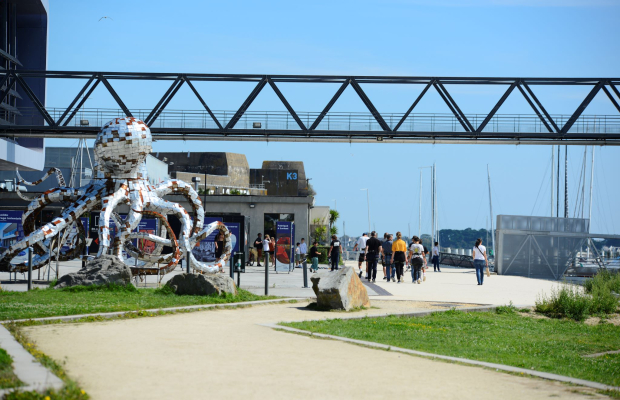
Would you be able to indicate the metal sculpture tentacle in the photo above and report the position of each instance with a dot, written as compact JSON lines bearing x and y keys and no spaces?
{"x":22,"y":181}
{"x":121,"y":149}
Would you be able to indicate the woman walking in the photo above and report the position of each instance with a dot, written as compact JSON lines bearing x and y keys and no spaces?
{"x":399,"y":255}
{"x":480,"y":259}
{"x":314,"y":256}
{"x":418,"y":260}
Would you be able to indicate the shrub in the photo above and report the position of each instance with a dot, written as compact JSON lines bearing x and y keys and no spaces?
{"x":509,"y":309}
{"x":604,"y":278}
{"x":567,"y":301}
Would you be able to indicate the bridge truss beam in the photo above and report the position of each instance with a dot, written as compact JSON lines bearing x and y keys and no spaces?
{"x":312,"y":131}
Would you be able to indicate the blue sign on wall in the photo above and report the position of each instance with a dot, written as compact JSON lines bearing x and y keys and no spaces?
{"x":11,"y":229}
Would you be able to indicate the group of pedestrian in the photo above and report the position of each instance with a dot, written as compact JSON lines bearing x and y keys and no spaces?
{"x":396,"y":256}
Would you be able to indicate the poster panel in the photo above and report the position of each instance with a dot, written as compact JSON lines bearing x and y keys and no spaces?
{"x":284,"y":238}
{"x":11,"y":231}
{"x":205,"y":251}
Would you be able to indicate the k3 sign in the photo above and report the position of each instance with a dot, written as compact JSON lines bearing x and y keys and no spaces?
{"x":291,"y":176}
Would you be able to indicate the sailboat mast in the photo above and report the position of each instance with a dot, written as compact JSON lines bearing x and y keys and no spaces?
{"x":491,"y":210}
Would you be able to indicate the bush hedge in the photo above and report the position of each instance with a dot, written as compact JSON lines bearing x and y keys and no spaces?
{"x":578,"y":303}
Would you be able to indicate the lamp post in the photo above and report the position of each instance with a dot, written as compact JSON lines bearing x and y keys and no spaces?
{"x":368,"y":202}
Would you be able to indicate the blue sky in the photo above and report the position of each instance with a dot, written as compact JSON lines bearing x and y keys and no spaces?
{"x":543,"y":38}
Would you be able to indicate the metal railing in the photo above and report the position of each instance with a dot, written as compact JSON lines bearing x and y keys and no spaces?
{"x":333,"y":121}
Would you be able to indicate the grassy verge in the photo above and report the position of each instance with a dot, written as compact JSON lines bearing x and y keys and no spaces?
{"x":504,"y":337}
{"x":40,"y":303}
{"x":8,"y":379}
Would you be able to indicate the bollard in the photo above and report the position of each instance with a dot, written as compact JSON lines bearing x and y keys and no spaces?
{"x":305,"y":265}
{"x":29,"y":268}
{"x":230,"y":265}
{"x":266,"y":273}
{"x":187,"y":262}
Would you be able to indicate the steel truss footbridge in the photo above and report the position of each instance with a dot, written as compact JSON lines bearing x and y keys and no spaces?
{"x":539,"y":127}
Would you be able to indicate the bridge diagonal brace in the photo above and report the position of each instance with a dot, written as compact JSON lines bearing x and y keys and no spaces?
{"x":165,"y":103}
{"x":540,"y":116}
{"x":582,"y":107}
{"x":456,"y":114}
{"x":9,"y":85}
{"x":81,"y":103}
{"x":246,"y":104}
{"x":191,"y":86}
{"x":75,"y":100}
{"x":371,"y":107}
{"x":456,"y":106}
{"x":613,"y":87}
{"x":611,"y":97}
{"x":329,"y":105}
{"x":35,"y":100}
{"x":539,"y":104}
{"x":115,"y":95}
{"x":415,"y":103}
{"x":286,"y":104}
{"x":496,"y":107}
{"x":163,"y":98}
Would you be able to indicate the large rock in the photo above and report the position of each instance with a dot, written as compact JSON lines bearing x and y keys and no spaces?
{"x":340,"y":290}
{"x":202,"y":285}
{"x":98,"y":271}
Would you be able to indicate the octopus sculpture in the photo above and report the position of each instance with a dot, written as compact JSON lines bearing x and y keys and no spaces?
{"x":121,"y":148}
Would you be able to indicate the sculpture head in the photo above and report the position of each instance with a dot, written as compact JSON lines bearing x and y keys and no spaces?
{"x":121,"y":147}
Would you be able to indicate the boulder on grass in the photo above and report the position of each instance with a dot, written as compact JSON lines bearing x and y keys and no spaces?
{"x":202,"y":285}
{"x":98,"y":271}
{"x":339,"y":290}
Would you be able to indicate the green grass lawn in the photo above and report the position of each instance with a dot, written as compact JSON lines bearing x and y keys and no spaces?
{"x":86,"y":300}
{"x":7,"y":377}
{"x":548,"y":345}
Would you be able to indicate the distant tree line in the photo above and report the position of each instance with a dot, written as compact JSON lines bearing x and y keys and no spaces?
{"x":463,"y":238}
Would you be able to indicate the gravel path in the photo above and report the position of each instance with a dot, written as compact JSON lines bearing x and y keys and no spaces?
{"x":226,"y":354}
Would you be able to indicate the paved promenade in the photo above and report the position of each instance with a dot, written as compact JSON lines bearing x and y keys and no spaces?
{"x":450,"y":285}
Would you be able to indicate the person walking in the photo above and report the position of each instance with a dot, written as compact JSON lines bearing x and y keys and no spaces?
{"x":334,"y":252}
{"x":373,"y":251}
{"x":418,"y":260}
{"x":314,"y":256}
{"x":383,"y":260}
{"x":297,"y":256}
{"x":399,"y":255}
{"x":388,"y":267}
{"x":266,"y":243}
{"x":303,"y":250}
{"x":480,"y":259}
{"x":258,"y":245}
{"x":272,"y":251}
{"x":435,"y":258}
{"x":360,"y":246}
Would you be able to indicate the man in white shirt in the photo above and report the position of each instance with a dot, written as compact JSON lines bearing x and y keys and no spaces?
{"x":266,"y":247}
{"x":360,"y":245}
{"x":435,"y":257}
